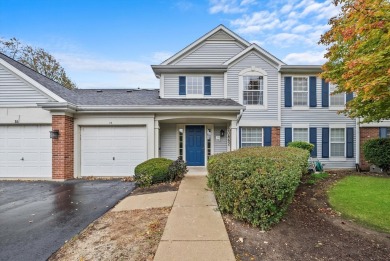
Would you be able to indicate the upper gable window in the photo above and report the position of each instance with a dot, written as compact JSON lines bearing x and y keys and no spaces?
{"x":253,"y":93}
{"x":194,"y":85}
{"x":253,"y":88}
{"x":337,"y":100}
{"x":300,"y":88}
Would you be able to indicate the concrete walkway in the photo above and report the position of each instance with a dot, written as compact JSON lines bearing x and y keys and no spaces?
{"x":195,"y":229}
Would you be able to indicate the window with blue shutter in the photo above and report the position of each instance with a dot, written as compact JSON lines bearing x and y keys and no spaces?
{"x":207,"y":85}
{"x":383,"y":132}
{"x":182,"y":85}
{"x":325,"y":93}
{"x":349,"y":96}
{"x":325,"y":142}
{"x":287,"y":136}
{"x":349,"y":142}
{"x":267,"y":136}
{"x":313,"y":91}
{"x":313,"y":140}
{"x":287,"y":92}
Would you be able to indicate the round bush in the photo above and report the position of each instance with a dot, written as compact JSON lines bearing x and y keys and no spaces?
{"x":377,"y":152}
{"x":152,"y":171}
{"x":257,"y":184}
{"x":301,"y":145}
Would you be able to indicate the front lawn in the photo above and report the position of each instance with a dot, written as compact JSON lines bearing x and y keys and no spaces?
{"x":365,"y":199}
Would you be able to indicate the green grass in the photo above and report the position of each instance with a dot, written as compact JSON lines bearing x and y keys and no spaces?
{"x":315,"y":177}
{"x":365,"y":199}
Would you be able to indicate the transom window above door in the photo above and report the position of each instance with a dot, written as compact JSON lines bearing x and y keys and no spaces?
{"x":194,"y":85}
{"x":300,"y":91}
{"x":253,"y":93}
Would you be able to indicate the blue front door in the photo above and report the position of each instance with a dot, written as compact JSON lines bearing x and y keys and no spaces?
{"x":195,"y":145}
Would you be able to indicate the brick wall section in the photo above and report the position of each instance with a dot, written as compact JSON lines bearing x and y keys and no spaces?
{"x":275,"y":139}
{"x":366,"y":133}
{"x":63,"y":147}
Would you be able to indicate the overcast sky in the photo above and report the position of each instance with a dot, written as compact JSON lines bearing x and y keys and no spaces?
{"x":112,"y":43}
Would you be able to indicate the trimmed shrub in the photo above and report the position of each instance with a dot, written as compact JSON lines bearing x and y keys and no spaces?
{"x":301,"y":145}
{"x":177,"y":170}
{"x":152,"y":171}
{"x":377,"y":152}
{"x":256,"y":185}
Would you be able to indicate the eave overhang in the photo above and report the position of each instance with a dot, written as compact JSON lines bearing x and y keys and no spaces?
{"x":300,"y":69}
{"x":159,"y":69}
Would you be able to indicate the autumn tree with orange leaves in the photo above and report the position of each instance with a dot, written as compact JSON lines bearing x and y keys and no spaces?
{"x":358,"y":53}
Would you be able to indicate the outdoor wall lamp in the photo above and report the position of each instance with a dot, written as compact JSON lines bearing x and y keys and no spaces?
{"x":54,"y":134}
{"x":222,"y":133}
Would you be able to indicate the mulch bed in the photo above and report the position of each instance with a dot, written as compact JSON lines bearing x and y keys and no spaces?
{"x":311,"y":230}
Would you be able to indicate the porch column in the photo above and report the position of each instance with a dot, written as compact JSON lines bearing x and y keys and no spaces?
{"x":233,"y":135}
{"x":156,"y":139}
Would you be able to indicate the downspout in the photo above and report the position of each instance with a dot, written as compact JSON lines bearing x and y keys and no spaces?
{"x":240,"y":116}
{"x":357,"y":145}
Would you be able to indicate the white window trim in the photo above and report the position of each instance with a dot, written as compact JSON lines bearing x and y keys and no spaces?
{"x":300,"y":107}
{"x":253,"y":71}
{"x":301,"y":126}
{"x":338,"y":126}
{"x":336,"y":107}
{"x":262,"y":134}
{"x":194,"y":96}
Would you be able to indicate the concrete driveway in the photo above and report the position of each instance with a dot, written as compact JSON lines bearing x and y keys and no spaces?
{"x":36,"y":218}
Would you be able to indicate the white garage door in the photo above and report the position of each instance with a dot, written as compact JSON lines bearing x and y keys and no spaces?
{"x":25,"y":151}
{"x":112,"y":151}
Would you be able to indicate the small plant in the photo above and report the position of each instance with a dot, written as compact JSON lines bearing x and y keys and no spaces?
{"x":377,"y":152}
{"x":152,"y":171}
{"x":177,"y":170}
{"x":301,"y":145}
{"x":315,"y":177}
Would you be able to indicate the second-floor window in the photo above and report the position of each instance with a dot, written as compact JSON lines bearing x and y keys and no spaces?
{"x":337,"y":100}
{"x":253,"y":93}
{"x":194,"y":85}
{"x":300,"y":88}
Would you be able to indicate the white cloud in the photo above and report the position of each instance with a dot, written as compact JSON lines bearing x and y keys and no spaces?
{"x":230,"y":6}
{"x":89,"y":72}
{"x":285,"y":40}
{"x":286,"y":8}
{"x":302,"y":28}
{"x":256,"y":22}
{"x":305,"y":58}
{"x":159,"y":57}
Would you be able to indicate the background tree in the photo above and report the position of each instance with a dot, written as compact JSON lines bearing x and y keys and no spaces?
{"x":37,"y":59}
{"x":358,"y":56}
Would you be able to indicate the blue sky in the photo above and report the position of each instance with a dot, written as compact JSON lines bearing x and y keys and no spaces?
{"x":112,"y":43}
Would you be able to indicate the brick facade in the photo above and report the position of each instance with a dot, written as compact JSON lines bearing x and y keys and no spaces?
{"x":275,"y":139}
{"x":366,"y":133}
{"x":63,"y":147}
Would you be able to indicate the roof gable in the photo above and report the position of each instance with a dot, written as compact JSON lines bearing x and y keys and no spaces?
{"x":220,"y":33}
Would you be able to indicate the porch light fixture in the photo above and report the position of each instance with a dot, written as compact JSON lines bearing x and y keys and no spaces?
{"x":222,"y":133}
{"x":54,"y":134}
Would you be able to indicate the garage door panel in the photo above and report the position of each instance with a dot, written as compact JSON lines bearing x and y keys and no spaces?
{"x":116,"y":142}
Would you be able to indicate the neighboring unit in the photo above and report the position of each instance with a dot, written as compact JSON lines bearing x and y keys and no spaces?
{"x":218,"y":94}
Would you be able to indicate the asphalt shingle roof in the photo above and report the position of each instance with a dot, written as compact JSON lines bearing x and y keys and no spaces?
{"x":113,"y":97}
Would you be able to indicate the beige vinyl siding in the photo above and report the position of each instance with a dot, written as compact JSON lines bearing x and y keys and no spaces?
{"x":14,"y":90}
{"x":221,"y":145}
{"x":168,"y":143}
{"x":317,"y":117}
{"x":211,"y":53}
{"x":171,"y":85}
{"x":252,"y":59}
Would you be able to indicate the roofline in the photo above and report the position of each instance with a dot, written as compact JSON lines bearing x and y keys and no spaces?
{"x":27,"y":78}
{"x":202,"y":38}
{"x":158,"y":69}
{"x":301,"y":68}
{"x":257,"y":48}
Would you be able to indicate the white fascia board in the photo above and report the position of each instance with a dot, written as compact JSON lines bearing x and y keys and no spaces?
{"x":37,"y":85}
{"x":204,"y":37}
{"x":159,"y":108}
{"x":254,"y":47}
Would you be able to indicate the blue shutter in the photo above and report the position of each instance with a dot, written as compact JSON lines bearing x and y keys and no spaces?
{"x":313,"y":91}
{"x":325,"y":142}
{"x":313,"y":140}
{"x":349,"y":142}
{"x":267,"y":136}
{"x":382,"y":132}
{"x":287,"y":92}
{"x":325,"y":93}
{"x":349,"y":96}
{"x":207,"y":85}
{"x":182,"y":85}
{"x":239,"y":138}
{"x":287,"y":136}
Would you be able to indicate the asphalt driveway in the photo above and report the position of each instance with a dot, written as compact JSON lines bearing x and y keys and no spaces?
{"x":36,"y":218}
